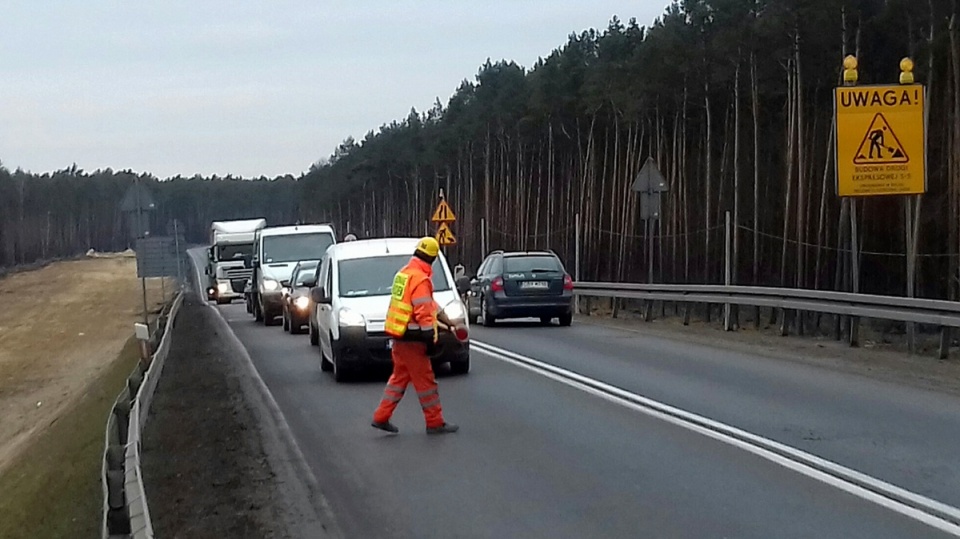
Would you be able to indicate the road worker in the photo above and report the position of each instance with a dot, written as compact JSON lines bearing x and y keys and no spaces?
{"x":411,"y":323}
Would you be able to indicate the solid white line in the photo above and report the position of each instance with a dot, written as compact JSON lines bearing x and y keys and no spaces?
{"x":925,"y":510}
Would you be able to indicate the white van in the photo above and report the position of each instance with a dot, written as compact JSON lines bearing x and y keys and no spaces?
{"x":351,"y":298}
{"x":276,"y":252}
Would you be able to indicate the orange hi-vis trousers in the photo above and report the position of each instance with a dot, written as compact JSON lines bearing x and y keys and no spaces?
{"x":411,"y":364}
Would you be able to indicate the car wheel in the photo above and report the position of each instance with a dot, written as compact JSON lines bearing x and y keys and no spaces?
{"x":295,"y":329}
{"x":222,"y":301}
{"x":325,"y":364}
{"x":249,"y":306}
{"x":487,"y":319}
{"x":314,"y":337}
{"x":286,"y":322}
{"x":545,"y":320}
{"x":566,"y":319}
{"x":257,"y":313}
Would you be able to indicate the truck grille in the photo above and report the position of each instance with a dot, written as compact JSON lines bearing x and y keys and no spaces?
{"x":237,"y":273}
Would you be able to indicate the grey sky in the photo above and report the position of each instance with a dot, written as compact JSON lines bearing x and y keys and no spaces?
{"x":248,"y":88}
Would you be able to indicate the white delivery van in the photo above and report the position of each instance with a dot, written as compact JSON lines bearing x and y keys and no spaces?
{"x":276,"y":251}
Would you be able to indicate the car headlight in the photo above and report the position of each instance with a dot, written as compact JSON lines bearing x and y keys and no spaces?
{"x":269,"y":285}
{"x":302,"y":302}
{"x":455,"y":311}
{"x":223,"y":288}
{"x":351,"y":318}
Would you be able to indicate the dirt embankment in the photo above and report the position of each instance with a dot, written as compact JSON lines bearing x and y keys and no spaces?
{"x":60,"y":327}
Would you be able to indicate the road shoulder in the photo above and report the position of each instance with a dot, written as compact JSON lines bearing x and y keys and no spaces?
{"x":871,"y":360}
{"x":216,"y":462}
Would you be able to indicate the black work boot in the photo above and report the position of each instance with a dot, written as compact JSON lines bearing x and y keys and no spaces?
{"x":446,"y":428}
{"x":386,"y":425}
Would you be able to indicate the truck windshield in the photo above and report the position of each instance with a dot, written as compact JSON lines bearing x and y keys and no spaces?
{"x":295,"y":247}
{"x":362,"y":277}
{"x":233,"y":251}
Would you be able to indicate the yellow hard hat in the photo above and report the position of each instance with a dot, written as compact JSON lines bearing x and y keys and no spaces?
{"x":428,"y":246}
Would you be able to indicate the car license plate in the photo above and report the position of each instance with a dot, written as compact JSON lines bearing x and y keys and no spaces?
{"x":534,"y":285}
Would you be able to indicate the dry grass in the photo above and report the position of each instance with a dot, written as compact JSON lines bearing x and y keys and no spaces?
{"x":61,"y":327}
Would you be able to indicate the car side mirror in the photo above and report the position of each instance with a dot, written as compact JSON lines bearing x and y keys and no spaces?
{"x":463,"y":285}
{"x":210,"y":253}
{"x":310,"y":283}
{"x":285,"y":283}
{"x":319,"y":295}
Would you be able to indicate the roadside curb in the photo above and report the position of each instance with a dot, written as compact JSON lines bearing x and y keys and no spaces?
{"x":125,"y":512}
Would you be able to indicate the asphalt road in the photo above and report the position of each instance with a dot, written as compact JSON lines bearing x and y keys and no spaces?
{"x":538,"y":457}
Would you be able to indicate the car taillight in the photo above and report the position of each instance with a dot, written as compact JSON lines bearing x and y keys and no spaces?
{"x":567,"y":282}
{"x":461,"y":334}
{"x":497,"y":285}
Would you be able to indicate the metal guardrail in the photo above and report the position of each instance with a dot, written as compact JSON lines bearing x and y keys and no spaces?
{"x":125,"y":512}
{"x":945,"y":314}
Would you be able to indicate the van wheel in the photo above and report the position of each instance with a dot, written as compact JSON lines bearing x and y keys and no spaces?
{"x":340,"y":373}
{"x":257,"y":312}
{"x":314,"y":338}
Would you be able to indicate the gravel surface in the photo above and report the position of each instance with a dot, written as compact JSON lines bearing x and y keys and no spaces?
{"x":215,"y":464}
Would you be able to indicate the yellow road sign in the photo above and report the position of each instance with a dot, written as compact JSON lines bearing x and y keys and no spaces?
{"x":445,"y":235}
{"x":443,"y":213}
{"x":881,"y":140}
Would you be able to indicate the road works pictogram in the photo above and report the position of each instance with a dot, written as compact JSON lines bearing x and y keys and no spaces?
{"x":880,"y":145}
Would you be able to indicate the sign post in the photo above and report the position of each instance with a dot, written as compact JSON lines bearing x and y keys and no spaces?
{"x":443,"y":217}
{"x":881,"y":149}
{"x":649,"y":183}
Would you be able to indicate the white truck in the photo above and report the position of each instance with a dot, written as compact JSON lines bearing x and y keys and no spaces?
{"x":276,"y":251}
{"x":230,"y":257}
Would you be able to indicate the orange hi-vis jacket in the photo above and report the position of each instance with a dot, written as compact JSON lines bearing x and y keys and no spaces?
{"x":412,"y":314}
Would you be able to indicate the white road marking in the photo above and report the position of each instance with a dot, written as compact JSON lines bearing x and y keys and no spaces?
{"x":910,"y":504}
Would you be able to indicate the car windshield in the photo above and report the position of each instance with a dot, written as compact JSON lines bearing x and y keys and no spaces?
{"x":362,"y":277}
{"x":306,"y":273}
{"x":531,"y":263}
{"x":233,"y":251}
{"x":295,"y":247}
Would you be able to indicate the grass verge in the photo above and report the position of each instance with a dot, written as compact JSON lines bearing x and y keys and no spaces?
{"x":53,"y":488}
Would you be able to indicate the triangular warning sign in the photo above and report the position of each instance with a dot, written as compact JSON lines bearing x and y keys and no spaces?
{"x":445,"y":235}
{"x":443,"y":213}
{"x":880,"y":145}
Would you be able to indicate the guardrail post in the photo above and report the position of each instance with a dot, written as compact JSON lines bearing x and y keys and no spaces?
{"x":647,"y":310}
{"x":785,"y":322}
{"x":854,"y":331}
{"x":944,"y":351}
{"x":616,"y":306}
{"x":686,"y":313}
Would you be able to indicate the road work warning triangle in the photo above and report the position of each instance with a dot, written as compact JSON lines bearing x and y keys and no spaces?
{"x":445,"y":235}
{"x":443,"y":213}
{"x":880,"y":145}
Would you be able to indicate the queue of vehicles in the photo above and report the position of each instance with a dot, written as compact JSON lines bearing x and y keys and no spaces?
{"x":340,"y":292}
